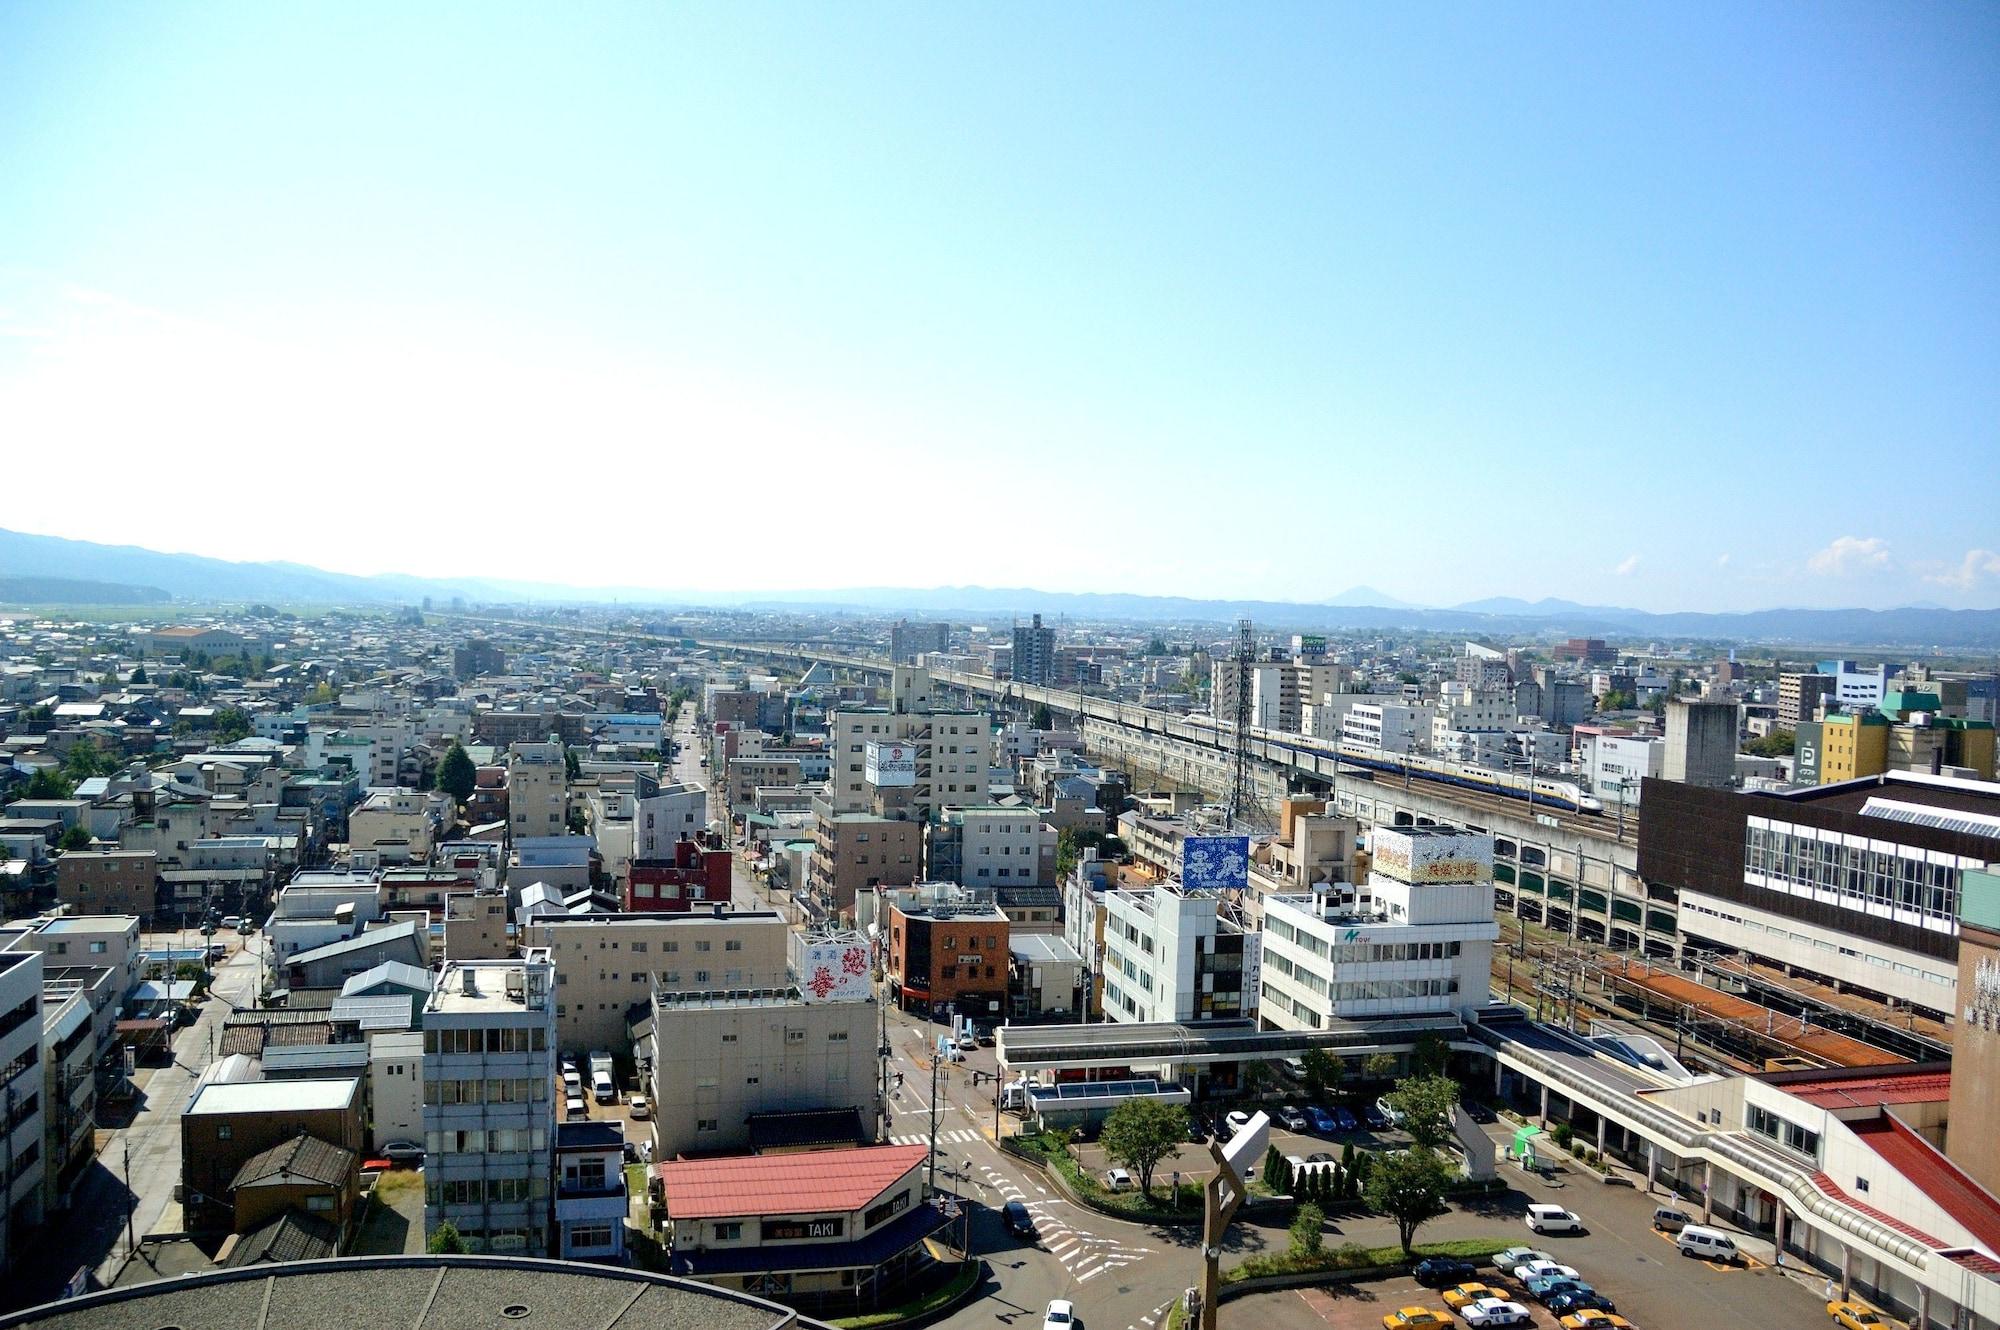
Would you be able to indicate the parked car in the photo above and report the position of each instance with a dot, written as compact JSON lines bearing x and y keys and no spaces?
{"x":1546,"y":1287}
{"x":232,"y":921}
{"x":1344,"y":1120}
{"x":1553,"y":1219}
{"x":1414,"y":1318}
{"x":1237,"y":1120}
{"x":1708,"y":1244}
{"x":1591,"y":1318}
{"x":1014,"y":1215}
{"x":1671,"y":1219}
{"x":1319,"y":1157}
{"x":1294,"y":1068}
{"x":1514,"y":1256}
{"x":1479,"y":1112}
{"x":1443,"y":1271}
{"x":641,"y":1109}
{"x":1851,"y":1315}
{"x":1198,"y":1127}
{"x":1322,"y":1121}
{"x":968,"y":1042}
{"x":1495,"y":1311}
{"x":402,"y":1152}
{"x":985,"y":1036}
{"x":1389,"y":1111}
{"x":1375,"y":1118}
{"x":1061,"y":1315}
{"x":1117,"y":1179}
{"x":575,"y":1107}
{"x":1291,"y":1118}
{"x":1580,"y":1300}
{"x":1466,"y":1294}
{"x":1528,"y":1270}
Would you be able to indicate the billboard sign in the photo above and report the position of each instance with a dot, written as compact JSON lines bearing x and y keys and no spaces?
{"x":1431,"y":858}
{"x":833,"y":971}
{"x":1215,"y":861}
{"x":891,"y":765}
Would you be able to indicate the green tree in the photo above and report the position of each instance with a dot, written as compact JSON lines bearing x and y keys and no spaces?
{"x":76,"y":838}
{"x":445,"y":1240}
{"x":1778,"y":743}
{"x":1070,"y":845}
{"x":1426,"y":1103}
{"x":231,"y":724}
{"x":1042,"y":719}
{"x":1379,"y":1066}
{"x":1277,"y":1170}
{"x":572,"y":767}
{"x":456,"y":775}
{"x":139,"y":675}
{"x":1308,"y":1230}
{"x":1431,"y":1055}
{"x":48,"y":783}
{"x":1322,"y":1074}
{"x":1409,"y":1187}
{"x":1156,"y":647}
{"x":322,"y":694}
{"x":83,"y":761}
{"x":1139,"y":1133}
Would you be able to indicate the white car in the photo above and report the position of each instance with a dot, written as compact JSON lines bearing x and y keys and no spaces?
{"x":1536,"y":1269}
{"x":1237,"y":1121}
{"x":1514,"y":1256}
{"x":1061,"y":1315}
{"x":402,"y":1152}
{"x":1495,"y":1311}
{"x":640,"y":1108}
{"x":1553,"y":1219}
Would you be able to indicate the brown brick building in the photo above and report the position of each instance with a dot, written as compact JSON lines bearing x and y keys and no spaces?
{"x":109,"y":881}
{"x":947,"y":951}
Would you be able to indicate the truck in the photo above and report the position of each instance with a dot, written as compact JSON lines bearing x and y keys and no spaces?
{"x":603,"y":1087}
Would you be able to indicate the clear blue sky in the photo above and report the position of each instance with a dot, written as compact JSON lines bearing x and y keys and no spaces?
{"x":1680,"y":307}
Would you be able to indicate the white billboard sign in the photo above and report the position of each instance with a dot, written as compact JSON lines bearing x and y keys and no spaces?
{"x":832,"y":970}
{"x":891,"y":765}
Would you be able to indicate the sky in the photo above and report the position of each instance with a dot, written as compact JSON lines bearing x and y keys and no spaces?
{"x":1676,"y":307}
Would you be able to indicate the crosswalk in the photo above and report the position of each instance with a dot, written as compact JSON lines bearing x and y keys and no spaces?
{"x":961,"y":1136}
{"x":1083,"y":1253}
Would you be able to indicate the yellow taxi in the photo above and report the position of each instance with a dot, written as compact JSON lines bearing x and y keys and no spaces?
{"x":1852,"y":1315}
{"x":1590,"y":1318}
{"x":1415,"y":1318}
{"x":1455,"y":1298}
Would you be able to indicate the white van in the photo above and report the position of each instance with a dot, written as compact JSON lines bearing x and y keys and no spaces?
{"x":1553,"y":1219}
{"x":1117,"y":1179}
{"x":1707,"y":1244}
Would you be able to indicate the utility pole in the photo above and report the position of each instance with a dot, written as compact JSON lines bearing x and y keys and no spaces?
{"x":1239,"y":785}
{"x":937,"y":1051}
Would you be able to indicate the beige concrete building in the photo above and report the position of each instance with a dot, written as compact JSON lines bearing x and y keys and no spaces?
{"x":747,"y":774}
{"x":108,"y":881}
{"x":854,"y":851}
{"x":609,"y":964}
{"x":475,"y":926}
{"x":719,"y":1060}
{"x":537,"y":789}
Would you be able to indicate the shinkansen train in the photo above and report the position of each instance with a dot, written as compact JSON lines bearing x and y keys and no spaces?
{"x":1538,"y":790}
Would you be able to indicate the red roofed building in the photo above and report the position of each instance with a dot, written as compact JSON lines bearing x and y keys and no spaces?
{"x":694,"y":876}
{"x":829,"y":1231}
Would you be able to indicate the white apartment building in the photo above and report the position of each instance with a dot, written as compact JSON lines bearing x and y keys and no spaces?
{"x":1416,"y":939}
{"x":537,"y":789}
{"x":489,"y":1118}
{"x":401,"y":824}
{"x":676,"y":812}
{"x":720,"y":1058}
{"x":1393,"y":727}
{"x":396,"y":1086}
{"x":609,"y":964}
{"x":21,"y":1100}
{"x":952,"y":750}
{"x":997,"y":846}
{"x":1467,"y":709}
{"x":1174,"y":955}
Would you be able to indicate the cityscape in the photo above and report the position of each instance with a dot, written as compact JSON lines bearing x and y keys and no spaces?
{"x":730,"y":665}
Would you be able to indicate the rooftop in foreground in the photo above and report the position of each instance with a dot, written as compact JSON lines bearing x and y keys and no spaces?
{"x":428,"y":1293}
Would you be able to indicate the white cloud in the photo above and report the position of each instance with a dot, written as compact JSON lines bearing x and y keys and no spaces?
{"x":1722,"y":561}
{"x":1628,"y":566}
{"x":1974,"y":568}
{"x":1851,"y":554}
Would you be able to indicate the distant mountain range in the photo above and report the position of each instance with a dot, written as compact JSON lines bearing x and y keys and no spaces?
{"x":42,"y":570}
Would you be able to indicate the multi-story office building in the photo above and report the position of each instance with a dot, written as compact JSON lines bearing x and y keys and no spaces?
{"x":908,"y":641}
{"x":22,"y":1112}
{"x":1849,"y":745}
{"x":1034,"y":652}
{"x":1176,"y":955}
{"x":1854,"y":687}
{"x":1280,"y":690}
{"x":948,"y":753}
{"x":992,"y":846}
{"x":1855,"y":884}
{"x":1465,"y":710}
{"x":537,"y":789}
{"x":609,"y":965}
{"x":489,"y":1116}
{"x":1799,"y":697}
{"x":724,"y":1060}
{"x":1416,"y":939}
{"x":856,"y":851}
{"x":947,"y":950}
